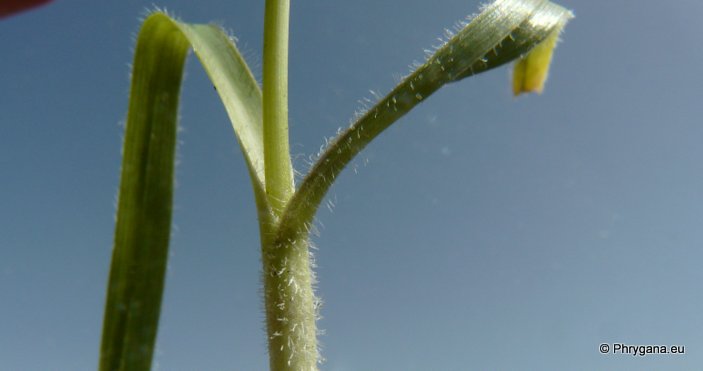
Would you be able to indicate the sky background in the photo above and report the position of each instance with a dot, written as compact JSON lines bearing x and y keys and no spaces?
{"x":481,"y":231}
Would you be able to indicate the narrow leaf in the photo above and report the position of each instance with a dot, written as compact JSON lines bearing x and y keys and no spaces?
{"x":502,"y":32}
{"x":144,"y":207}
{"x":146,"y":188}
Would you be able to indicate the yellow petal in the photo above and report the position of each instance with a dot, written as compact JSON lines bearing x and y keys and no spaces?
{"x":531,"y":71}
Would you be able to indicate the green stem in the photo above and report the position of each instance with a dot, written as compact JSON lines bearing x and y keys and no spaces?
{"x":291,"y":305}
{"x":288,"y":280}
{"x":278,"y":169}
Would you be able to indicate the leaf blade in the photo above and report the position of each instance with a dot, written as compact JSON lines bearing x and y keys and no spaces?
{"x":502,"y":32}
{"x":145,"y":202}
{"x":143,"y":223}
{"x":238,"y":90}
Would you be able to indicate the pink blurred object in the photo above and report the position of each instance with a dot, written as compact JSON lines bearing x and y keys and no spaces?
{"x":10,"y":7}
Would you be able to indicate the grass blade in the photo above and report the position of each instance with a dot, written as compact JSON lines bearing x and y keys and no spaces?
{"x":503,"y":31}
{"x":239,"y":91}
{"x":145,"y":201}
{"x":146,"y":187}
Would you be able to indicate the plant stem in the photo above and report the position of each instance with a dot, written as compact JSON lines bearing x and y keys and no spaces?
{"x":291,"y":306}
{"x":278,"y":169}
{"x":288,"y":280}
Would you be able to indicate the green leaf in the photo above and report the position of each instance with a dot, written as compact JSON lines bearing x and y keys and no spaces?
{"x":237,"y":88}
{"x":503,"y":31}
{"x":146,"y":188}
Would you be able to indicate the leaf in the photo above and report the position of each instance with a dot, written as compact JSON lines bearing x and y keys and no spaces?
{"x":503,"y":31}
{"x":146,"y":190}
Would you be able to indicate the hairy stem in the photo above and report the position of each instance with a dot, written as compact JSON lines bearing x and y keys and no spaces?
{"x":288,"y":279}
{"x":291,"y":306}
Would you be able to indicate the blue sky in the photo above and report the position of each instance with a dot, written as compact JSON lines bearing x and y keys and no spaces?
{"x":480,"y":232}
